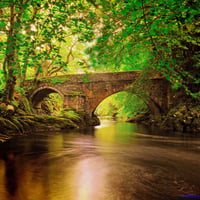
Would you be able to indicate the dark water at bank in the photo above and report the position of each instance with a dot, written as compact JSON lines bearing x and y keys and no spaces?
{"x":115,"y":161}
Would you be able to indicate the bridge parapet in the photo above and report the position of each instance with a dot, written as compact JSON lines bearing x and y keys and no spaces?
{"x":87,"y":77}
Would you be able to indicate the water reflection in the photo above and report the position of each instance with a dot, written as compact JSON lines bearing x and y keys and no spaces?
{"x":10,"y":174}
{"x":89,"y":180}
{"x":116,"y":133}
{"x":116,"y":161}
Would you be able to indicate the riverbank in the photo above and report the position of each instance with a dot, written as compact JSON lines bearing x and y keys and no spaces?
{"x":184,"y":117}
{"x":19,"y":122}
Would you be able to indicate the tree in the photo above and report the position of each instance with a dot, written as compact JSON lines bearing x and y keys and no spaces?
{"x":33,"y":32}
{"x":157,"y":34}
{"x":154,"y":34}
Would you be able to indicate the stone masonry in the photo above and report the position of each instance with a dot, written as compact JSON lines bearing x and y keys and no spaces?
{"x":86,"y":91}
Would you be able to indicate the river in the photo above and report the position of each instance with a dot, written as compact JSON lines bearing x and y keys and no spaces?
{"x":113,"y":161}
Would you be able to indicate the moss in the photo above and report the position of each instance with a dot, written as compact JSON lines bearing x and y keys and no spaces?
{"x":8,"y":124}
{"x":24,"y":121}
{"x":184,"y":118}
{"x":74,"y":93}
{"x":52,"y":121}
{"x":3,"y":111}
{"x":70,"y":114}
{"x":21,"y":112}
{"x":56,"y":80}
{"x":139,"y":118}
{"x":4,"y":137}
{"x":24,"y":104}
{"x":88,"y":120}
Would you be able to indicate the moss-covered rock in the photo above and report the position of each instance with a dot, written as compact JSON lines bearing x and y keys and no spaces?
{"x":55,"y":122}
{"x":139,"y":118}
{"x":184,"y":118}
{"x":88,"y":120}
{"x":20,"y":119}
{"x":80,"y":117}
{"x":20,"y":123}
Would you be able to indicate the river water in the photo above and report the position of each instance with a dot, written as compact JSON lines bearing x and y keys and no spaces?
{"x":114,"y":161}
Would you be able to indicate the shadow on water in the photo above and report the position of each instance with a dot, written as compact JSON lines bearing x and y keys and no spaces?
{"x":112,"y":161}
{"x":10,"y":174}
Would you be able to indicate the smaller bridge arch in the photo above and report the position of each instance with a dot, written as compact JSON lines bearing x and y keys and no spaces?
{"x":40,"y":93}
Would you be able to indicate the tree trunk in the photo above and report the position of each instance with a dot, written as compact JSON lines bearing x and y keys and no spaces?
{"x":10,"y":59}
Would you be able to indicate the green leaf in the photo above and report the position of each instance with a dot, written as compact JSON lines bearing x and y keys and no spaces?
{"x":2,"y":24}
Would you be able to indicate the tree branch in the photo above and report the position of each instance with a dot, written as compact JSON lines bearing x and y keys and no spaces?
{"x":152,"y":41}
{"x":70,"y":52}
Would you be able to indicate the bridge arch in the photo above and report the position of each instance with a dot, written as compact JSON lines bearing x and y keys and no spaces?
{"x":122,"y":92}
{"x":103,"y":97}
{"x":102,"y":90}
{"x":40,"y":93}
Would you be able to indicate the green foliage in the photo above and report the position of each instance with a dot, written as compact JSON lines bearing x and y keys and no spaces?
{"x":70,"y":114}
{"x":53,"y":103}
{"x":158,"y":34}
{"x":24,"y":104}
{"x":58,"y":80}
{"x":2,"y":80}
{"x":49,"y":38}
{"x":122,"y":104}
{"x":42,"y":38}
{"x":86,"y":79}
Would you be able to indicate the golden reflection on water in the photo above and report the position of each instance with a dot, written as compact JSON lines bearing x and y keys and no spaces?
{"x":118,"y":133}
{"x":52,"y":175}
{"x":96,"y":166}
{"x":89,"y":179}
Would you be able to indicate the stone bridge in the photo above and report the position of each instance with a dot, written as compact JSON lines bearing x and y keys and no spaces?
{"x":86,"y":91}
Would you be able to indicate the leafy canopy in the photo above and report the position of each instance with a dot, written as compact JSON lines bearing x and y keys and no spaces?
{"x":157,"y":34}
